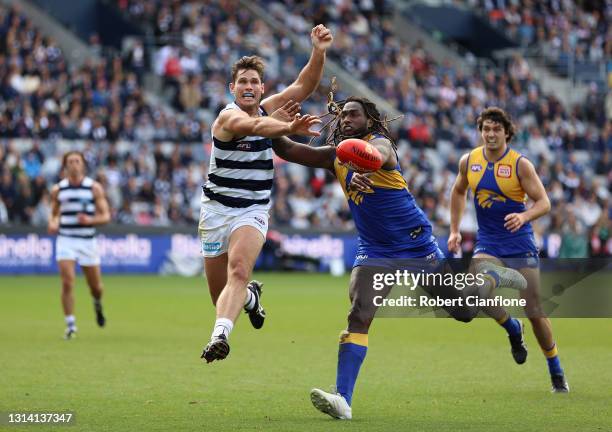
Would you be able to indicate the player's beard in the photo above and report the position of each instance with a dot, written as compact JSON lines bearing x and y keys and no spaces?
{"x":355,"y":133}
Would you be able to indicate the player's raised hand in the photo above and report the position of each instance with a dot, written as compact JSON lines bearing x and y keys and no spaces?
{"x":361,"y":182}
{"x":301,"y":125}
{"x":287,"y":112}
{"x":321,"y":37}
{"x":514,"y":221}
{"x":454,"y":242}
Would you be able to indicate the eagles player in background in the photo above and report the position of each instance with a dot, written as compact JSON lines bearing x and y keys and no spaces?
{"x":500,"y":179}
{"x":391,"y":227}
{"x":78,"y":204}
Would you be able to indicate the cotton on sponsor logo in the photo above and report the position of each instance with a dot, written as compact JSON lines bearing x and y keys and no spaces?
{"x":323,"y":246}
{"x":25,"y":250}
{"x":130,"y":249}
{"x":185,"y":245}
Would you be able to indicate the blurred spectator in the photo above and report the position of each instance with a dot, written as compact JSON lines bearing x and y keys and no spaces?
{"x":574,"y":243}
{"x":4,"y":216}
{"x":40,"y":214}
{"x":601,"y":240}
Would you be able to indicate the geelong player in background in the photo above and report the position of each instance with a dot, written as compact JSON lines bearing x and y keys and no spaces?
{"x":501,"y":179}
{"x":236,"y":197}
{"x":78,"y":204}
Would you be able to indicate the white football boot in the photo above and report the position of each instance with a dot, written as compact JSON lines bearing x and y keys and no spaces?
{"x":70,"y":333}
{"x":332,"y":404}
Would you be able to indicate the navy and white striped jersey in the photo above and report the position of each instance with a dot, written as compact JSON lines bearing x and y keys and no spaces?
{"x":74,"y":200}
{"x":241,"y":171}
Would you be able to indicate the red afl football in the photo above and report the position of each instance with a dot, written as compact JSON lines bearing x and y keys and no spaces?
{"x":359,"y":155}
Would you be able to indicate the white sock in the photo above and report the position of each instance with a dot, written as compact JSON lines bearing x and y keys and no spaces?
{"x":70,"y":321}
{"x":223,"y":326}
{"x":249,"y":303}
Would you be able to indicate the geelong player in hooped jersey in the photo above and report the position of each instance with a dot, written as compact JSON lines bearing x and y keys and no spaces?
{"x":236,"y":197}
{"x":78,"y":204}
{"x":501,"y":179}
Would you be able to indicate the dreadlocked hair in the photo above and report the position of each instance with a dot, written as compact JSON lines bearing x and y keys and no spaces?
{"x":379,"y":125}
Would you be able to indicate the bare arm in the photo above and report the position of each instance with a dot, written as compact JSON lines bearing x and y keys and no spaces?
{"x":102,"y":215}
{"x":457,"y":204}
{"x":235,"y":123}
{"x":534,"y":188}
{"x":315,"y":157}
{"x":384,"y":146}
{"x":361,"y":181}
{"x":53,"y":224}
{"x":310,"y":76}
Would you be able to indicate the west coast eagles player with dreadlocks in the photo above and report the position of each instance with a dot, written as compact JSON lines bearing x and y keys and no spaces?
{"x":390,"y":224}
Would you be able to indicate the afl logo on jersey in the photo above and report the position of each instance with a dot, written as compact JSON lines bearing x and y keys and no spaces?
{"x":476,"y":168}
{"x":504,"y":171}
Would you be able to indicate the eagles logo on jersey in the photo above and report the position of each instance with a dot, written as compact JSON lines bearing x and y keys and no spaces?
{"x":357,"y":196}
{"x":486,"y":198}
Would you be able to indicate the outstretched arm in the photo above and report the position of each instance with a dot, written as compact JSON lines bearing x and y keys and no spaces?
{"x":534,"y":188}
{"x":457,"y":205}
{"x":310,"y":76}
{"x":235,"y":123}
{"x":315,"y":157}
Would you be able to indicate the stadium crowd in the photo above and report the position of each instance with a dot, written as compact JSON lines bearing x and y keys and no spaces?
{"x":150,"y":183}
{"x":196,"y":40}
{"x":558,"y":29}
{"x":43,"y":96}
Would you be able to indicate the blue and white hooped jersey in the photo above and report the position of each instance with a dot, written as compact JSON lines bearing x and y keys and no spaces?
{"x":75,"y":199}
{"x":241,"y":171}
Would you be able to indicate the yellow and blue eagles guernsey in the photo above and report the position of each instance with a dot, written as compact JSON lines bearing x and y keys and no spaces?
{"x":498,"y":192}
{"x":389,"y":222}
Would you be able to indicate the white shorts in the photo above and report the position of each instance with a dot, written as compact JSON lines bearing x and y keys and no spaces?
{"x":215,"y":228}
{"x":82,"y":250}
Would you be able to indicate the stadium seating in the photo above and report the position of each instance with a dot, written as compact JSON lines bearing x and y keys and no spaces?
{"x":152,"y":175}
{"x":563,"y":32}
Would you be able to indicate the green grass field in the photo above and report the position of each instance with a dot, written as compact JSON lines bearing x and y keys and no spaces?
{"x":143,"y":372}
